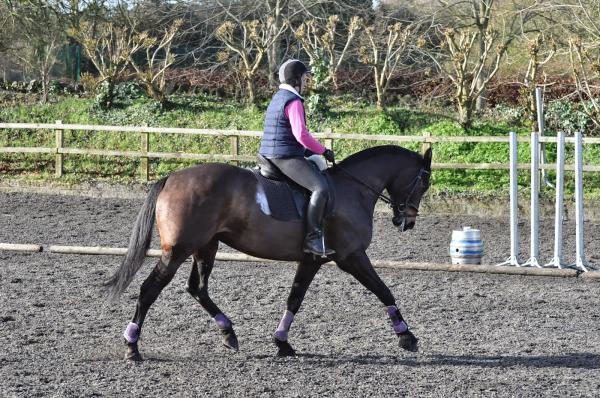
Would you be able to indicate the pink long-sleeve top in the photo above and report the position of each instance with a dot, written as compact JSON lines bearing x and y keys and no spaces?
{"x":294,"y":111}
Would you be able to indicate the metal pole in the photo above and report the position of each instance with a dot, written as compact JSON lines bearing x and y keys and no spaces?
{"x":535,"y":197}
{"x":58,"y":158}
{"x":539,"y":106}
{"x":580,"y":261}
{"x":559,"y":208}
{"x":514,"y":208}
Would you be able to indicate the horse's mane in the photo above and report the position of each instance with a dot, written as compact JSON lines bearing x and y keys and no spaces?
{"x":378,"y":151}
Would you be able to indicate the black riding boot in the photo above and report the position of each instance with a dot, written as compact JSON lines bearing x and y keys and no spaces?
{"x":314,"y":242}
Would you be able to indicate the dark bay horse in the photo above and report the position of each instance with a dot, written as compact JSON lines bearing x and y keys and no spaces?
{"x":198,"y":207}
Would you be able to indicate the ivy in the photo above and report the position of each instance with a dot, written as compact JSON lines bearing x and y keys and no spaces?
{"x":317,"y":107}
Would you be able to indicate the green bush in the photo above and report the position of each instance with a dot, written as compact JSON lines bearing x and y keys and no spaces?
{"x":563,"y":115}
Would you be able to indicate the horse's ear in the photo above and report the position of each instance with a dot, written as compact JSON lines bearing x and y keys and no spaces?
{"x":427,"y":158}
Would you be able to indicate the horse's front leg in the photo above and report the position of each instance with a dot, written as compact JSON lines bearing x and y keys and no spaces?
{"x":306,"y":271}
{"x":358,"y":265}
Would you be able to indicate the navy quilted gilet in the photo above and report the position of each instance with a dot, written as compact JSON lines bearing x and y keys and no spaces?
{"x":277,"y":139}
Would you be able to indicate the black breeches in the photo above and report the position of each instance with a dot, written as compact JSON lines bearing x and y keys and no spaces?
{"x":303,"y":172}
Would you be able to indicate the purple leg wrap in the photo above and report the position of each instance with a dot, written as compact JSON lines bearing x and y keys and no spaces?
{"x":397,"y":322}
{"x":132,"y":333}
{"x":284,"y":326}
{"x":222,"y":321}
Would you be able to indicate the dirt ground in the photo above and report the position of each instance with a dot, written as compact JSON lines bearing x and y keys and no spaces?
{"x":480,"y":334}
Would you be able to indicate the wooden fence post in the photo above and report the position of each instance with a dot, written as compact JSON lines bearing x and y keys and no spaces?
{"x":144,"y":169}
{"x":235,"y":147}
{"x":329,"y":141}
{"x":58,"y":158}
{"x":426,"y":144}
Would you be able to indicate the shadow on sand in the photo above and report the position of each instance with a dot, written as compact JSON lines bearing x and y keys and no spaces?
{"x":567,"y":360}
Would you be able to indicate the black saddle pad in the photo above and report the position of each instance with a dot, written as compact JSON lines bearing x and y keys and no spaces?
{"x":279,"y":199}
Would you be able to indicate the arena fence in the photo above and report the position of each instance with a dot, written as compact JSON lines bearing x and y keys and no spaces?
{"x":144,"y":153}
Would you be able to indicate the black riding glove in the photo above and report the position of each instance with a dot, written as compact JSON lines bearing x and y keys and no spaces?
{"x":308,"y":153}
{"x":328,"y":155}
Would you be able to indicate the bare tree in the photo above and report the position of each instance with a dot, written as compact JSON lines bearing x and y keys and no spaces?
{"x":585,"y":67}
{"x":158,"y":58}
{"x":109,"y":48}
{"x":320,"y":44}
{"x":385,"y":46}
{"x":40,"y":28}
{"x":584,"y":55}
{"x":277,"y":11}
{"x":291,"y":12}
{"x":6,"y":32}
{"x":466,"y":71}
{"x":475,"y":36}
{"x":540,"y":51}
{"x":250,"y":40}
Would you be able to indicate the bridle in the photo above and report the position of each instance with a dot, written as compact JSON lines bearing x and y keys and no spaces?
{"x":398,"y":209}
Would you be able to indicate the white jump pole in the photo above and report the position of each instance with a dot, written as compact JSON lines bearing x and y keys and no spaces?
{"x":535,"y":199}
{"x":580,"y":261}
{"x":514,"y":209}
{"x":559,"y":208}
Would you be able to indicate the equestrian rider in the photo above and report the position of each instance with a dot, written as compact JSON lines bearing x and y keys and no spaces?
{"x":284,"y":140}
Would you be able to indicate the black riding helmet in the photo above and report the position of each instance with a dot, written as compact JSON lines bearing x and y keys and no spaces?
{"x":291,"y":71}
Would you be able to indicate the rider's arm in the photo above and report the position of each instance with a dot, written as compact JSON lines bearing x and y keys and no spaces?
{"x":294,"y":111}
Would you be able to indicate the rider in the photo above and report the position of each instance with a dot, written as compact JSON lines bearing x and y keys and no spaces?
{"x":284,"y":140}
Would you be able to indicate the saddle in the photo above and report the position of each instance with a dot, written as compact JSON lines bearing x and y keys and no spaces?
{"x":280,"y":197}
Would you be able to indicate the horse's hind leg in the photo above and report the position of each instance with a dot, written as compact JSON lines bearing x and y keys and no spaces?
{"x":305,"y":273}
{"x":358,"y":265}
{"x":160,"y":277}
{"x":198,"y":287}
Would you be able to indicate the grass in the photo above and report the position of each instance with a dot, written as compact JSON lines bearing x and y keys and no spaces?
{"x":348,"y":115}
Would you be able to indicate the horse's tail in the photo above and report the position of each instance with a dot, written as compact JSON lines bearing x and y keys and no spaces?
{"x":138,"y":244}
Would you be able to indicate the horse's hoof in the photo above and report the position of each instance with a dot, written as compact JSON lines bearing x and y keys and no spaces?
{"x":133,"y":354}
{"x":230,"y":339}
{"x":408,"y":341}
{"x":284,"y":349}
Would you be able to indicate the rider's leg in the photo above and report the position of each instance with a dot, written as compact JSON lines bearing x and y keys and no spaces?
{"x":304,"y":173}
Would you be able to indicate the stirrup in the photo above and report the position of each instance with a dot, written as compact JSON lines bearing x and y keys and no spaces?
{"x":324,"y":252}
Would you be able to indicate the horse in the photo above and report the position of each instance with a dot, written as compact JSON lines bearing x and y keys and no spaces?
{"x":198,"y":207}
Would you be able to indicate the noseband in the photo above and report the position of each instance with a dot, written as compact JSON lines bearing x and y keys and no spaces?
{"x":398,"y":209}
{"x":401,"y":209}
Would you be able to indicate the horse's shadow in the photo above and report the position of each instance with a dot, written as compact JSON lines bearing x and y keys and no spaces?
{"x":567,"y":360}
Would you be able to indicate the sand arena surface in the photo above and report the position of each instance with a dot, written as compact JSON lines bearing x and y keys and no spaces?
{"x":480,"y":335}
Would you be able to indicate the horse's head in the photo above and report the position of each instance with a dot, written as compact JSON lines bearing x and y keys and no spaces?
{"x":406,"y":192}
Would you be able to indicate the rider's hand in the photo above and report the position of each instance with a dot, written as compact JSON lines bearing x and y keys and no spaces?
{"x":328,"y":155}
{"x":308,"y":153}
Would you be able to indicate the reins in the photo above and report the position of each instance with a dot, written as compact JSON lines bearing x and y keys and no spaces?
{"x":384,"y":198}
{"x":381,"y":195}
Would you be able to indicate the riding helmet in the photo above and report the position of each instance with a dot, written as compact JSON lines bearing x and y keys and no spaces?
{"x":291,"y":71}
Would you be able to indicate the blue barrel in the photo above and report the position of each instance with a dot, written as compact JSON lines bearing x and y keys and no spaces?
{"x":466,"y":246}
